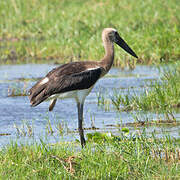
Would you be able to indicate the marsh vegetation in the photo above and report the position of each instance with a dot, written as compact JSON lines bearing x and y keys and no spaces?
{"x":132,"y":117}
{"x":162,"y":94}
{"x":64,"y":31}
{"x":105,"y":157}
{"x":133,"y":145}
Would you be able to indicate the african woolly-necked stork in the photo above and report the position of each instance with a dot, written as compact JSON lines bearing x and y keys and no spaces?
{"x":76,"y":79}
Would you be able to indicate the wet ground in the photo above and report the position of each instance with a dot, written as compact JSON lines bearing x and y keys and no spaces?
{"x":19,"y":121}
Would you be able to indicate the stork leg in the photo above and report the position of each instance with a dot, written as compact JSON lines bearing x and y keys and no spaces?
{"x":80,"y":120}
{"x":52,"y":104}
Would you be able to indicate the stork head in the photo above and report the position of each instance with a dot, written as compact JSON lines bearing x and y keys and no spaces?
{"x":111,"y":34}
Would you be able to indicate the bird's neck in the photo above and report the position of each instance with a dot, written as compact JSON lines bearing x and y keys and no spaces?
{"x":108,"y":59}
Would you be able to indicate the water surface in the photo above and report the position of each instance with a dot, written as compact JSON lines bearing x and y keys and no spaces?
{"x":16,"y":111}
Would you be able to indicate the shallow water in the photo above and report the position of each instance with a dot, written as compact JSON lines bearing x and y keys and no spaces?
{"x":16,"y":111}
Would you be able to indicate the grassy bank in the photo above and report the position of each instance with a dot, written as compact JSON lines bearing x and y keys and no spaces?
{"x":64,"y":31}
{"x":132,"y":157}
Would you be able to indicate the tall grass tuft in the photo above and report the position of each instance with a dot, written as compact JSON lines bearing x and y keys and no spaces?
{"x":161,"y":95}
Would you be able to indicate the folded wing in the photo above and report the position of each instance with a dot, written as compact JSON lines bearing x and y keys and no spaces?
{"x":56,"y":82}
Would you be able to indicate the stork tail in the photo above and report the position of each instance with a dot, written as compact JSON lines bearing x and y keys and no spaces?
{"x":37,"y":94}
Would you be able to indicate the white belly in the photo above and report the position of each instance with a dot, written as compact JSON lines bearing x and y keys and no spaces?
{"x":78,"y":95}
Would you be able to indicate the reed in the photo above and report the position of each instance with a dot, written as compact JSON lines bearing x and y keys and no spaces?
{"x":161,"y":95}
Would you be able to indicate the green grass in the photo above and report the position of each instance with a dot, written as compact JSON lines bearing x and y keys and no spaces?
{"x":42,"y":30}
{"x":132,"y":157}
{"x":16,"y":90}
{"x":163,"y":95}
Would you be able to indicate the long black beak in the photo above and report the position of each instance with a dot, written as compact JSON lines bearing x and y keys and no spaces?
{"x":123,"y":45}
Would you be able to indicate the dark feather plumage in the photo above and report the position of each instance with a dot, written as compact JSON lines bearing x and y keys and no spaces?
{"x":68,"y":77}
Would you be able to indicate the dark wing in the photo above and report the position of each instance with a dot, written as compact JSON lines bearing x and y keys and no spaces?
{"x":58,"y":72}
{"x":79,"y":81}
{"x":63,"y":83}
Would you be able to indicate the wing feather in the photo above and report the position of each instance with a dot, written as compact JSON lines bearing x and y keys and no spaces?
{"x":60,"y":83}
